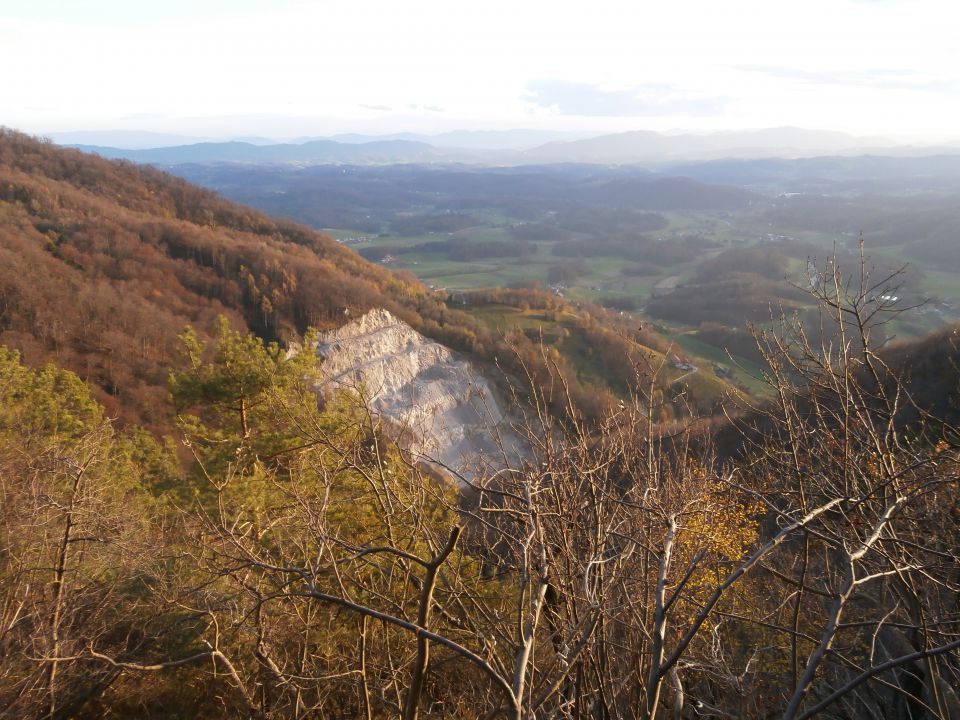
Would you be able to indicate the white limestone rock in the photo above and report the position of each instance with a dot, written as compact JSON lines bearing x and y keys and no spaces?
{"x":450,"y":413}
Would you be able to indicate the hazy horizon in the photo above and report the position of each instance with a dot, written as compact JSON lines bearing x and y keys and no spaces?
{"x":484,"y":138}
{"x":286,"y":69}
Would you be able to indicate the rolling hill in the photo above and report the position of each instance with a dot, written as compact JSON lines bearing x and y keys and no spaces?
{"x":643,"y":146}
{"x":103,"y":263}
{"x":313,"y":151}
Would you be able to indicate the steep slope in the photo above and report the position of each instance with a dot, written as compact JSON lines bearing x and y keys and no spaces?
{"x":928,"y":368}
{"x":103,"y":263}
{"x":447,"y":409}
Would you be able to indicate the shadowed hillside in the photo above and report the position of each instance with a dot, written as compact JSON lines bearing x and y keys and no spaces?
{"x":102,"y":264}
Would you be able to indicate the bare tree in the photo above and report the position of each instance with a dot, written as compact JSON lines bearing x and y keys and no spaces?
{"x":872,"y":579}
{"x":806,"y":564}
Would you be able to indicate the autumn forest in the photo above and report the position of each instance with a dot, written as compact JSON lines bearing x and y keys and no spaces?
{"x":187,"y":532}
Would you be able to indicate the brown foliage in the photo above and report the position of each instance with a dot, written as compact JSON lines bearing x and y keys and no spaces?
{"x":102,"y":263}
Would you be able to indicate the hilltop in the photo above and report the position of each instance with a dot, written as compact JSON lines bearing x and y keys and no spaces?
{"x":305,"y":519}
{"x":103,"y":263}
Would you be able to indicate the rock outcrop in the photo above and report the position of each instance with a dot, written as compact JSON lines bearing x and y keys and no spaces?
{"x":448,"y":412}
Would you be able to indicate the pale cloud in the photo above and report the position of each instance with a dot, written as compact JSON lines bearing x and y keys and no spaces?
{"x":570,"y":98}
{"x":882,"y":78}
{"x":610,"y":65}
{"x":427,"y":108}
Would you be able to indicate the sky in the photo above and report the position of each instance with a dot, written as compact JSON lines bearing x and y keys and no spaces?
{"x":289,"y":68}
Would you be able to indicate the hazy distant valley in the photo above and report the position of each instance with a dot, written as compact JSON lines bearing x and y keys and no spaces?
{"x":647,"y":232}
{"x":712,"y":242}
{"x":586,"y":425}
{"x":481,"y":361}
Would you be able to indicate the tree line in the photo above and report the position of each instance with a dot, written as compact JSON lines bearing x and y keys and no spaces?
{"x":103,"y":262}
{"x":296,"y":562}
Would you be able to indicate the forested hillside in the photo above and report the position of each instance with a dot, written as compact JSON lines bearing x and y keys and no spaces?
{"x":103,"y":263}
{"x":274,"y":557}
{"x":301,"y":566}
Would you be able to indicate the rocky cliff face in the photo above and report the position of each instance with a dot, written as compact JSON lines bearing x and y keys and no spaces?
{"x":448,"y":411}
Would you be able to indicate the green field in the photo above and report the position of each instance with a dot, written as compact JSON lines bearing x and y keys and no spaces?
{"x":604,"y":276}
{"x":560,"y":330}
{"x":743,"y":372}
{"x":631,"y":284}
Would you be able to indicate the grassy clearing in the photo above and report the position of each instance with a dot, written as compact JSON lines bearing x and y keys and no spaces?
{"x":744,"y":372}
{"x":483,"y":233}
{"x":397,"y":241}
{"x":562,"y":332}
{"x":605,"y":277}
{"x":941,"y":284}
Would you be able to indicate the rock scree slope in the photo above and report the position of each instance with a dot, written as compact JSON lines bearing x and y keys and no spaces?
{"x":447,"y":410}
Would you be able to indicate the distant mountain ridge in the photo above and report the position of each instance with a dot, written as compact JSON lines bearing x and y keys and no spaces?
{"x":649,"y":147}
{"x":103,"y":264}
{"x":314,"y":151}
{"x":471,"y":139}
{"x":129,"y":139}
{"x":518,"y":147}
